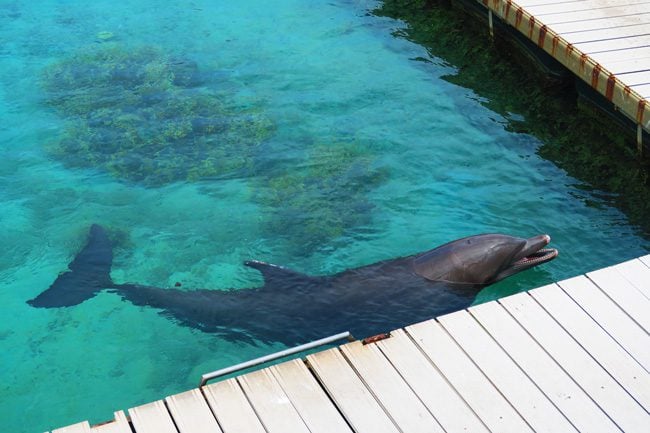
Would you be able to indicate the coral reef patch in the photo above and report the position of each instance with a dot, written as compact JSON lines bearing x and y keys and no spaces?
{"x":150,"y":118}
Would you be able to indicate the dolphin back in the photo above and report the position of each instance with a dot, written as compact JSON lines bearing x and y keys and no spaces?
{"x":89,"y":273}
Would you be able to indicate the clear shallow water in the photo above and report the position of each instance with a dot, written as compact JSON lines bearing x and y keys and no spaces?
{"x":328,"y":76}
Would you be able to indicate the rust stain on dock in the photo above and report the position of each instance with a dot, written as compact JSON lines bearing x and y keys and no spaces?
{"x":595,"y":75}
{"x":611,"y":83}
{"x":541,"y":40}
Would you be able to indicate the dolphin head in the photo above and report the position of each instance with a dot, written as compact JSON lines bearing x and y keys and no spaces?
{"x":483,"y":259}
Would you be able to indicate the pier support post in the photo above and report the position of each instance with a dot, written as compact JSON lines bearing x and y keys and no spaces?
{"x":639,"y":139}
{"x":490,"y":23}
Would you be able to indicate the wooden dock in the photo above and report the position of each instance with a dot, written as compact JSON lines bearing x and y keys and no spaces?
{"x":571,"y":356}
{"x":606,"y":43}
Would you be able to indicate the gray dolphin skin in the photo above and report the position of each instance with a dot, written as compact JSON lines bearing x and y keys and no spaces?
{"x":294,"y":308}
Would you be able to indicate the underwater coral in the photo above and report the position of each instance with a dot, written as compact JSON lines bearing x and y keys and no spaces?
{"x":324,"y":197}
{"x":147,"y":117}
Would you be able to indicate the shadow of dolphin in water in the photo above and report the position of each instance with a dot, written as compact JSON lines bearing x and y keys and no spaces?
{"x":293,"y":308}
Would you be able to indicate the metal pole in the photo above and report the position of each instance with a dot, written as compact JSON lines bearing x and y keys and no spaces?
{"x":268,"y":358}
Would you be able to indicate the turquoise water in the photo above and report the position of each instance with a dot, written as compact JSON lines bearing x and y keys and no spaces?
{"x":409,"y":161}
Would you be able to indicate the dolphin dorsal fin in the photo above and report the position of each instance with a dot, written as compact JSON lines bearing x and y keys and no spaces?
{"x":274,"y":274}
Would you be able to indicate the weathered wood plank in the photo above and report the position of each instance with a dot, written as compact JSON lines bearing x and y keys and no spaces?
{"x":632,"y":65}
{"x":602,"y":23}
{"x":600,"y":345}
{"x":119,"y":425}
{"x":539,"y":10}
{"x":611,"y":57}
{"x":354,"y":400}
{"x":81,"y":427}
{"x":635,"y":78}
{"x":558,"y":386}
{"x":624,"y":294}
{"x":610,"y":317}
{"x":232,"y":409}
{"x":152,"y":418}
{"x":637,"y":273}
{"x":618,"y":44}
{"x":502,"y":371}
{"x":528,"y":3}
{"x":271,"y":404}
{"x":645,"y":260}
{"x":310,"y":400}
{"x":605,"y":34}
{"x":643,"y":90}
{"x":584,"y":370}
{"x":495,"y":411}
{"x":408,"y":412}
{"x":604,"y":14}
{"x":191,"y":413}
{"x":442,"y":400}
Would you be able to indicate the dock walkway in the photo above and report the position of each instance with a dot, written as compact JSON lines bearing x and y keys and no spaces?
{"x":566,"y":357}
{"x":606,"y":43}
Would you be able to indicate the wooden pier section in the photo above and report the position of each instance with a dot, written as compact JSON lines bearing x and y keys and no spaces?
{"x":606,"y":43}
{"x":566,"y":357}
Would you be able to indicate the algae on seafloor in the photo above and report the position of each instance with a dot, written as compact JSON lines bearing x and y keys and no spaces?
{"x":322,"y":198}
{"x":573,"y":135}
{"x":146,"y":117}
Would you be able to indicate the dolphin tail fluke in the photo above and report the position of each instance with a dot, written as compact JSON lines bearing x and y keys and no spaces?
{"x":88,"y":274}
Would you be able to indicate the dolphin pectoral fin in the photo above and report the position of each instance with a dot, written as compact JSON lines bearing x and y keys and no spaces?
{"x":274,"y":275}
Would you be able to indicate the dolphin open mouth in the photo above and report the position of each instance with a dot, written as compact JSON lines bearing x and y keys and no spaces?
{"x":542,"y":256}
{"x":533,"y":253}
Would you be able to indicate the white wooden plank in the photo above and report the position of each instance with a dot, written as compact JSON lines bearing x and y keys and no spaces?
{"x":602,"y":23}
{"x":528,"y":3}
{"x":119,"y":425}
{"x":309,"y":399}
{"x":572,"y":6}
{"x":620,"y":56}
{"x":271,"y":404}
{"x":408,"y":412}
{"x":152,"y":418}
{"x":635,"y":78}
{"x":618,"y":44}
{"x":351,"y":396}
{"x":511,"y":381}
{"x":637,"y":273}
{"x":82,"y":427}
{"x":624,"y":294}
{"x":645,"y":260}
{"x":605,"y":14}
{"x":602,"y":347}
{"x":191,"y":413}
{"x":495,"y":412}
{"x":584,"y":370}
{"x":626,"y":66}
{"x":442,"y":400}
{"x":600,"y":34}
{"x":610,"y":317}
{"x":558,"y":386}
{"x":232,"y":408}
{"x":643,"y":90}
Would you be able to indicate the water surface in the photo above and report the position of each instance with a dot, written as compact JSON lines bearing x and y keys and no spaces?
{"x":367,"y":155}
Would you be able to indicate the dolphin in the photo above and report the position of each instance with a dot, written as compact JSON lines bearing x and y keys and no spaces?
{"x":292,"y":307}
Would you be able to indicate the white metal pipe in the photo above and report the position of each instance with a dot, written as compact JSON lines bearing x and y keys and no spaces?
{"x":272,"y":357}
